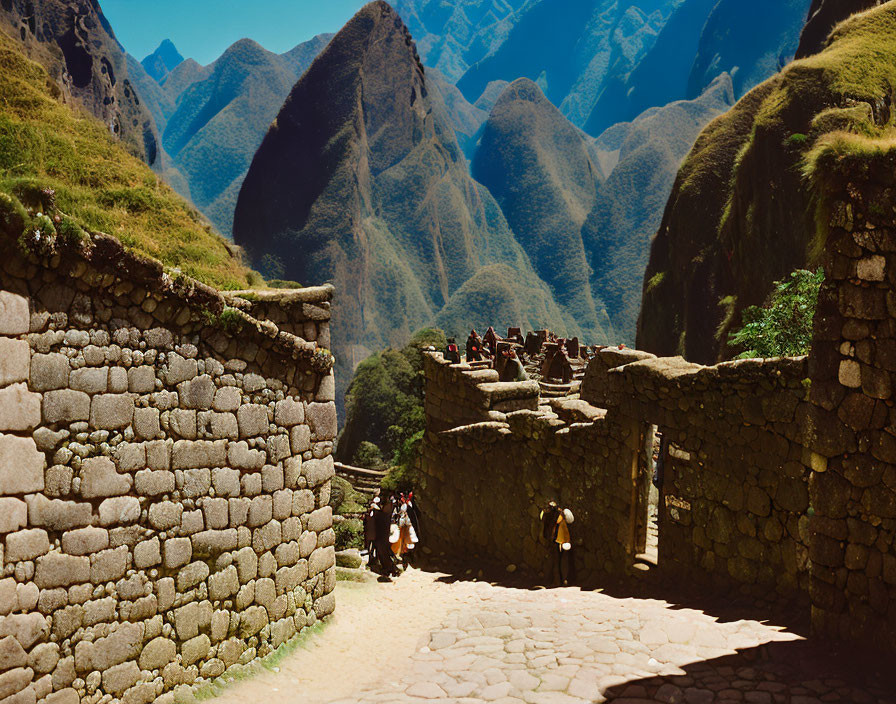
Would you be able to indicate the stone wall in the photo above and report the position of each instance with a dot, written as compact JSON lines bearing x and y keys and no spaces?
{"x":853,"y":425}
{"x":483,"y":484}
{"x":735,"y":487}
{"x":165,"y":464}
{"x":735,"y":493}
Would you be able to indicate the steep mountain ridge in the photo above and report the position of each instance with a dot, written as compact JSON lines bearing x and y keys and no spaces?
{"x":742,"y":215}
{"x":361,"y":180}
{"x":220,"y":118}
{"x":162,"y":61}
{"x":629,"y":204}
{"x":453,"y":36}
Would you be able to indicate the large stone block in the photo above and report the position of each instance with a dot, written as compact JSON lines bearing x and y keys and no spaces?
{"x":19,"y":408}
{"x":58,"y":570}
{"x":66,"y":406}
{"x":15,"y":319}
{"x":198,"y":393}
{"x":227,"y":399}
{"x":85,"y":541}
{"x":289,"y":412}
{"x":100,"y":479}
{"x":109,"y":565}
{"x":224,"y":584}
{"x":15,"y":361}
{"x":11,"y":654}
{"x":146,"y":423}
{"x":26,"y":545}
{"x":13,"y":514}
{"x":321,"y":519}
{"x":177,"y":552}
{"x":318,"y":471}
{"x":154,"y":483}
{"x":300,"y":439}
{"x":322,"y":420}
{"x":189,"y":454}
{"x":321,"y":560}
{"x":210,"y":543}
{"x":56,"y":514}
{"x":21,"y":466}
{"x":111,"y":411}
{"x":119,"y":678}
{"x":15,"y":681}
{"x":90,"y":380}
{"x":119,"y":511}
{"x":123,"y":644}
{"x":165,"y":515}
{"x":158,"y":653}
{"x":49,"y":372}
{"x":253,"y":420}
{"x":239,"y":456}
{"x":141,"y":380}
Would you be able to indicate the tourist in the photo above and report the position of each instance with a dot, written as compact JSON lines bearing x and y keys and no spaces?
{"x":404,"y":536}
{"x":382,"y":522}
{"x":512,"y":369}
{"x":452,"y":354}
{"x":474,"y":348}
{"x":555,"y":529}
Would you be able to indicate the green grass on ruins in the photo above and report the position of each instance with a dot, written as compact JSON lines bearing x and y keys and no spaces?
{"x":45,"y":144}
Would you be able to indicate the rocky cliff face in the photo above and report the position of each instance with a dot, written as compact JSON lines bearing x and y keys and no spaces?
{"x":360,"y":180}
{"x":73,"y":40}
{"x":628,"y":206}
{"x":741,"y":214}
{"x":824,"y":15}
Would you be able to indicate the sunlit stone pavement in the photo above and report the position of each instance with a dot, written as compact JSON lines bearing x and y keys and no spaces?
{"x":426,"y":637}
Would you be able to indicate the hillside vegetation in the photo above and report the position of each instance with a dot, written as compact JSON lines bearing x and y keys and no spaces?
{"x":94,"y":179}
{"x":742,"y":214}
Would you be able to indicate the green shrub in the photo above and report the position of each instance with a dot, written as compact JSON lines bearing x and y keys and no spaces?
{"x":13,"y":216}
{"x":368,"y":456}
{"x":280,"y":283}
{"x":71,"y":233}
{"x":349,"y":534}
{"x":783,"y":326}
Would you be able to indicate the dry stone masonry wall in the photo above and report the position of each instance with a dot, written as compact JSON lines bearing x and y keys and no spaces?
{"x":165,"y":465}
{"x":853,"y":423}
{"x":781,"y":474}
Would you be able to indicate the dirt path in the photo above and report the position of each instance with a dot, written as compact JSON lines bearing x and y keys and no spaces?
{"x":425,"y":638}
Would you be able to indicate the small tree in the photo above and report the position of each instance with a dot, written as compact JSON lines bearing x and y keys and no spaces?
{"x":368,"y":456}
{"x":783,"y":326}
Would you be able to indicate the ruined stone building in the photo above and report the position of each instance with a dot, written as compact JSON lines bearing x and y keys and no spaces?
{"x":781,"y":475}
{"x":165,"y":464}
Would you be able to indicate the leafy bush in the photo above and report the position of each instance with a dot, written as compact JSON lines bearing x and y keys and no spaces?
{"x":783,"y":326}
{"x":368,"y":456}
{"x":349,"y":534}
{"x":12,"y":216}
{"x":403,"y":475}
{"x":384,"y":403}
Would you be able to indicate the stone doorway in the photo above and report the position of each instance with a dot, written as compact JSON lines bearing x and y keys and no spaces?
{"x":645,"y":500}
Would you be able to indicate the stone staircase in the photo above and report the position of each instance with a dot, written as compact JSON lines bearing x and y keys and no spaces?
{"x":367,"y":481}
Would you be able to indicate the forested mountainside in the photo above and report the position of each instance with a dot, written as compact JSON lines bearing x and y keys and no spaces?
{"x":62,"y":172}
{"x":629,"y":204}
{"x":742,"y":213}
{"x":360,"y":180}
{"x":75,"y":44}
{"x":571,"y":49}
{"x":452,"y":36}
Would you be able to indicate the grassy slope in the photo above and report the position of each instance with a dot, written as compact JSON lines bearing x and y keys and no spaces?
{"x":742,"y":215}
{"x":98,"y":183}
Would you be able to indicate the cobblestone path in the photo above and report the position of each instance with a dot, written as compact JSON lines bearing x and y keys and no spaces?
{"x":425,"y":638}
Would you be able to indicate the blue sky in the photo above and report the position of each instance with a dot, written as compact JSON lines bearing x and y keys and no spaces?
{"x":203,"y":29}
